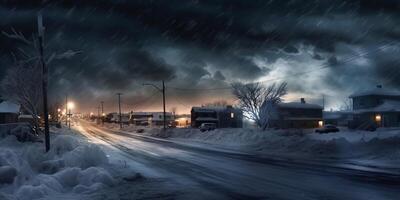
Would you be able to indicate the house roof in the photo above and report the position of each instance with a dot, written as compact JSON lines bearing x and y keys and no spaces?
{"x":206,"y":119}
{"x":376,"y":91}
{"x":9,"y":107}
{"x":386,"y":106}
{"x":211,"y":108}
{"x":299,"y":105}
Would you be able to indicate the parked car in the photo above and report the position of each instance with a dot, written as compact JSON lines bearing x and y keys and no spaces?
{"x":327,"y":129}
{"x":207,"y":127}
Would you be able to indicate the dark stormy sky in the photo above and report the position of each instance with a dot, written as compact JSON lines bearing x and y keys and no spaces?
{"x":320,"y":47}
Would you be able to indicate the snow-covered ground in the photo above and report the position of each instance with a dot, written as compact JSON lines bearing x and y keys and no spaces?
{"x":375,"y":149}
{"x":73,"y":169}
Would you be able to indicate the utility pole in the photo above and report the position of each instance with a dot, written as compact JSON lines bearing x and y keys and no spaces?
{"x":102,"y":112}
{"x":44,"y":81}
{"x":66,"y":110}
{"x":70,"y":118}
{"x":119,"y":107}
{"x":163,"y":95}
{"x":98,"y":114}
{"x":323,"y":102}
{"x":162,"y":90}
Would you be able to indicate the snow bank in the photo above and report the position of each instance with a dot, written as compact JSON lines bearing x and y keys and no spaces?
{"x":380,"y":147}
{"x":22,"y":131}
{"x":71,"y":166}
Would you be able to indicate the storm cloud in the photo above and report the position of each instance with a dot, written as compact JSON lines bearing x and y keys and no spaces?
{"x":320,"y":48}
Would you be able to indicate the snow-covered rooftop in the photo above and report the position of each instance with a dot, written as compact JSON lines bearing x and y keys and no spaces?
{"x":151,"y":113}
{"x":9,"y":107}
{"x":299,"y":105}
{"x":206,"y":119}
{"x":376,"y":91}
{"x":211,"y":108}
{"x":387,"y":106}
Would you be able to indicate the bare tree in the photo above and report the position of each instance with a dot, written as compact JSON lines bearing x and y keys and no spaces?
{"x":22,"y":83}
{"x":257,"y":101}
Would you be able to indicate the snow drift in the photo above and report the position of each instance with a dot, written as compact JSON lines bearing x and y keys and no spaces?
{"x":71,"y":166}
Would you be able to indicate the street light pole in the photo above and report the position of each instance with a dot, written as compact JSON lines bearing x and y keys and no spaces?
{"x":70,"y":117}
{"x":66,"y":110}
{"x":44,"y":82}
{"x":162,"y":90}
{"x":119,"y":107}
{"x":102,"y":112}
{"x":98,"y":115}
{"x":163,"y":93}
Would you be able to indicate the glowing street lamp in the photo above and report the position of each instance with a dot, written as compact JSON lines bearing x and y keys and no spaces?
{"x":70,"y":105}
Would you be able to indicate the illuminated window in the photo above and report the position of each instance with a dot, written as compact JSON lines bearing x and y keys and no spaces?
{"x":320,"y":123}
{"x":378,"y":118}
{"x":232,"y":115}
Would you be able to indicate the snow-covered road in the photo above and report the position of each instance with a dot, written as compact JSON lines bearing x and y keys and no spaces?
{"x":202,"y":173}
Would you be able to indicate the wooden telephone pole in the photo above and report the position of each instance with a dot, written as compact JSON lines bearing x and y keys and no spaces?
{"x":162,"y":90}
{"x":163,"y":96}
{"x":44,"y":81}
{"x":119,"y":106}
{"x":102,"y":112}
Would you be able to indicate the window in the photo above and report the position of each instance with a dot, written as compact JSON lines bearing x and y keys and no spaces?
{"x":232,"y":115}
{"x":378,"y":118}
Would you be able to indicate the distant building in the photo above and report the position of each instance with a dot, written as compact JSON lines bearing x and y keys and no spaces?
{"x":222,"y":116}
{"x":9,"y":112}
{"x":296,"y":115}
{"x":377,"y":106}
{"x":339,"y":118}
{"x":114,"y":117}
{"x":183,"y":120}
{"x":151,"y":118}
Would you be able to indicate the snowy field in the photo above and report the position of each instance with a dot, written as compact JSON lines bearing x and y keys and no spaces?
{"x":375,"y":149}
{"x":73,"y":169}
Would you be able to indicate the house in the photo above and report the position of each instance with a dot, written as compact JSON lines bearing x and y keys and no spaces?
{"x":9,"y":112}
{"x":222,"y":116}
{"x":377,"y":106}
{"x":296,"y":115}
{"x":339,"y":118}
{"x":150,"y":118}
{"x":114,"y":117}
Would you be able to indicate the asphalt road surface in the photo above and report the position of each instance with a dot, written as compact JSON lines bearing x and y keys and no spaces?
{"x":202,"y":173}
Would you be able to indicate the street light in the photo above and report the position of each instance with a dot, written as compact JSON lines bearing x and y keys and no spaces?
{"x":70,"y":106}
